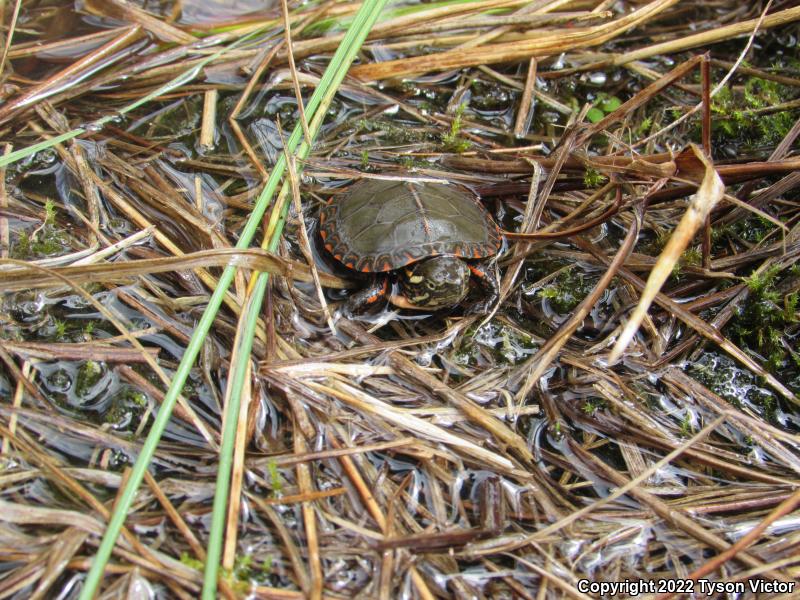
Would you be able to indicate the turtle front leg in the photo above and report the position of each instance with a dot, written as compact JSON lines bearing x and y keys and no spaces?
{"x":369,"y":296}
{"x":488,"y":277}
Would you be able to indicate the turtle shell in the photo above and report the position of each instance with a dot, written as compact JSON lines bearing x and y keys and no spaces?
{"x":382,"y":225}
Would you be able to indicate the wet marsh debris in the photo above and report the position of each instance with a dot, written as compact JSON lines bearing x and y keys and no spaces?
{"x":401,"y":454}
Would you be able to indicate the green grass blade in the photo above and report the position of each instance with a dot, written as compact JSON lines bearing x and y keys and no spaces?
{"x":330,"y":80}
{"x":225,"y":466}
{"x":369,"y":13}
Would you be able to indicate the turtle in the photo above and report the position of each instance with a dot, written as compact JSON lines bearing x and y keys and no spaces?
{"x":430,"y":237}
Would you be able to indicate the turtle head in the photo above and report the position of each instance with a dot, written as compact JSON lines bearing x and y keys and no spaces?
{"x":437,"y":282}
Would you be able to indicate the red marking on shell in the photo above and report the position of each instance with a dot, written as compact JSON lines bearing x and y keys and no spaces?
{"x":349,"y":265}
{"x":386,"y":266}
{"x":365,"y":269}
{"x":323,"y":233}
{"x":498,"y":236}
{"x":329,"y":248}
{"x":338,"y":257}
{"x":476,"y":252}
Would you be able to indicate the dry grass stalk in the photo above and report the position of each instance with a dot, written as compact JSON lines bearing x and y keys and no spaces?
{"x":543,"y":45}
{"x":718,"y":34}
{"x":524,"y":113}
{"x":708,"y":194}
{"x":208,"y":128}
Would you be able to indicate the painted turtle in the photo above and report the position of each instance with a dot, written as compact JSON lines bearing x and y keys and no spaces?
{"x":432,"y":235}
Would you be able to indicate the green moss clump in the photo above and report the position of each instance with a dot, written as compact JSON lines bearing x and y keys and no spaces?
{"x":46,"y":240}
{"x":191,"y":562}
{"x":452,"y":140}
{"x":691,"y":257}
{"x":645,"y":127}
{"x":410,"y":162}
{"x":687,"y":426}
{"x":741,"y":119}
{"x":275,"y":479}
{"x":567,"y":290}
{"x":593,"y":178}
{"x":592,"y":405}
{"x":89,"y":374}
{"x":60,"y":329}
{"x":760,"y":325}
{"x":246,"y":572}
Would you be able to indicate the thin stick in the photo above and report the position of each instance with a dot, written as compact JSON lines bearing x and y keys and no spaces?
{"x":287,"y":30}
{"x":175,"y":517}
{"x":526,"y":105}
{"x":242,"y":102}
{"x":309,"y":520}
{"x":305,"y":244}
{"x":5,"y":238}
{"x":16,"y":403}
{"x":705,"y":70}
{"x":209,"y":122}
{"x":708,"y":194}
{"x":10,"y":35}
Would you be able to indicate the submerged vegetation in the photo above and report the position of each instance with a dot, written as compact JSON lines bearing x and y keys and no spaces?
{"x":183,"y":394}
{"x":754,"y":116}
{"x":768,"y":321}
